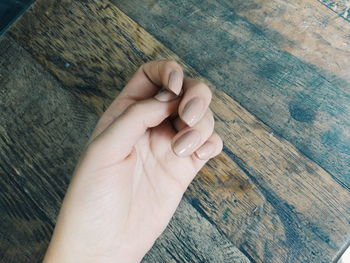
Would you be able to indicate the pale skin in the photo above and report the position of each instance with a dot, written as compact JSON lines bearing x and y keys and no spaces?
{"x":144,"y":152}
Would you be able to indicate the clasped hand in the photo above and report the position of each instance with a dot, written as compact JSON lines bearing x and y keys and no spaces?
{"x":144,"y":152}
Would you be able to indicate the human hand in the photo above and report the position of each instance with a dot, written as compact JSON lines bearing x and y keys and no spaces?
{"x":141,"y":157}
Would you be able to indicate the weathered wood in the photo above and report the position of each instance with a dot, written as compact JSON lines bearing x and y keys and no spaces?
{"x":275,"y":204}
{"x":99,"y":49}
{"x":43,"y":129}
{"x":341,"y":7}
{"x":187,"y":239}
{"x":303,"y":28}
{"x":264,"y":195}
{"x":298,"y":100}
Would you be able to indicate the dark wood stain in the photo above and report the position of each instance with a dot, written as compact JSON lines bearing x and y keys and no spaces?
{"x":299,"y":113}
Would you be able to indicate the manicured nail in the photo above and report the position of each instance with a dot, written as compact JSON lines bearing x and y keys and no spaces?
{"x":165,"y":96}
{"x":192,"y":111}
{"x":175,"y":81}
{"x":187,"y":143}
{"x":205,"y":151}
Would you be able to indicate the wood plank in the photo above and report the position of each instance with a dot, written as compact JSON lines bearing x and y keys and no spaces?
{"x":341,"y":7}
{"x":43,"y":129}
{"x":187,"y":239}
{"x":269,"y":199}
{"x":264,"y":195}
{"x":96,"y":75}
{"x":305,"y":29}
{"x":250,"y":62}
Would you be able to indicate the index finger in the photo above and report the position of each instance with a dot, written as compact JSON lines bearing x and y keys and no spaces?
{"x":150,"y":77}
{"x":144,"y":84}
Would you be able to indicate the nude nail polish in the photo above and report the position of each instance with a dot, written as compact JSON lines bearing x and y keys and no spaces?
{"x":165,"y":96}
{"x":175,"y":81}
{"x":187,"y":143}
{"x":193,"y":111}
{"x":205,"y":151}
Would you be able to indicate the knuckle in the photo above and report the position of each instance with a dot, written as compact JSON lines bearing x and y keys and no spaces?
{"x":135,"y":107}
{"x":206,"y":126}
{"x":172,"y":64}
{"x":201,"y":85}
{"x":221,"y":145}
{"x":218,"y":139}
{"x":94,"y":146}
{"x":143,"y":65}
{"x":210,"y":118}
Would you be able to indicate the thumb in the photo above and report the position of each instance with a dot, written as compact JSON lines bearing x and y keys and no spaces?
{"x":124,"y":132}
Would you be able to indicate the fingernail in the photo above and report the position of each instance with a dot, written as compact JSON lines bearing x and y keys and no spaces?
{"x":175,"y":81}
{"x":187,"y":143}
{"x":205,"y":151}
{"x":165,"y":96}
{"x":192,"y":111}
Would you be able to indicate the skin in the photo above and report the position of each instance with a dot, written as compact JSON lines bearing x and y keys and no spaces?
{"x":136,"y":167}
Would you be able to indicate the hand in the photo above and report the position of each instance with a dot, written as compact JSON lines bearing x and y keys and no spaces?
{"x":144,"y":152}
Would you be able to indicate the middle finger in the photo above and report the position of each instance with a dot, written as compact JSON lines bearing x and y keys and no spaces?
{"x":195,"y":101}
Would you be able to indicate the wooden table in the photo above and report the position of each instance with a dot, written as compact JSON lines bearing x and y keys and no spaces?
{"x":280,"y":74}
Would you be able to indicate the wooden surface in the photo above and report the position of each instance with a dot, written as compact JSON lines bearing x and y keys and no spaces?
{"x":293,"y":97}
{"x":280,"y":190}
{"x":43,"y":129}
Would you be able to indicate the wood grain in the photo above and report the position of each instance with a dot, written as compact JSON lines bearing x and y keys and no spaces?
{"x":305,"y":29}
{"x":43,"y":129}
{"x":39,"y":146}
{"x":94,"y":74}
{"x":190,"y":237}
{"x":243,"y":48}
{"x":341,"y":7}
{"x":266,"y":196}
{"x":263,"y":194}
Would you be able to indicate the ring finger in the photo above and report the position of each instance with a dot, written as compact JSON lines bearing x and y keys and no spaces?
{"x":189,"y":139}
